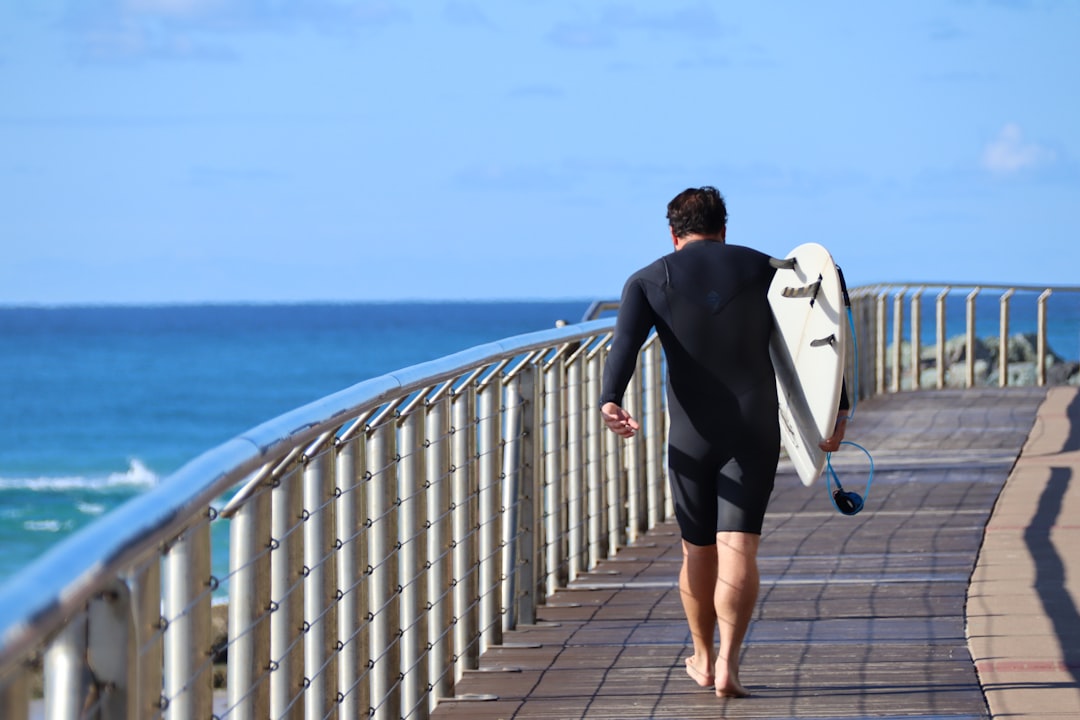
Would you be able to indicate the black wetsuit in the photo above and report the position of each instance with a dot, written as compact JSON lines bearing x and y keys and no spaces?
{"x":708,"y":304}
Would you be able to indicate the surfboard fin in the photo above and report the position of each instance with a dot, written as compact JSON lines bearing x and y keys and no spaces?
{"x":809,"y":291}
{"x":778,"y":264}
{"x":830,"y":340}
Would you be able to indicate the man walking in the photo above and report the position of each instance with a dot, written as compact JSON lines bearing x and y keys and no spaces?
{"x":707,"y":301}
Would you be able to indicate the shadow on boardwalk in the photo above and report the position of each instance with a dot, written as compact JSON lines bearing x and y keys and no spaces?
{"x":859,"y":616}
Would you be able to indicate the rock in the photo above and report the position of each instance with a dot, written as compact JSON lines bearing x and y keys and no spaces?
{"x":1022,"y":355}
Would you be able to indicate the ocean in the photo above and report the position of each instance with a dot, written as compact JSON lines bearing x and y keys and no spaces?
{"x":99,"y":403}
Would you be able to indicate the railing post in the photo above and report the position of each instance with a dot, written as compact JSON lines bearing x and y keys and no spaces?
{"x":594,"y":465}
{"x":522,"y":526}
{"x":463,"y":500}
{"x":1040,"y":341}
{"x":512,"y":495}
{"x":618,"y":496}
{"x":941,"y":336}
{"x":970,"y":353}
{"x":575,"y":438}
{"x":15,"y":694}
{"x":437,"y":461}
{"x":898,"y":339}
{"x":916,"y":339}
{"x":320,"y":585}
{"x":188,"y":680}
{"x":490,"y":515}
{"x":111,"y":653}
{"x":144,"y":583}
{"x":554,"y":570}
{"x":881,"y":351}
{"x":65,"y":674}
{"x":383,"y":649}
{"x":654,"y":427}
{"x":351,"y":558}
{"x":249,"y":600}
{"x":411,"y":560}
{"x":286,"y":597}
{"x":636,"y":477}
{"x":1003,"y":339}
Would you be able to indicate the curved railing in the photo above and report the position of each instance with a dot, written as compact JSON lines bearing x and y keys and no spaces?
{"x":379,"y":539}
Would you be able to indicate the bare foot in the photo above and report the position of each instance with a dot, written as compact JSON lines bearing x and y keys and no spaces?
{"x":704,"y":679}
{"x":728,"y":686}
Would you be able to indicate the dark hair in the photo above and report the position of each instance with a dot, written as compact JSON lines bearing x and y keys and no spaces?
{"x":697,"y":210}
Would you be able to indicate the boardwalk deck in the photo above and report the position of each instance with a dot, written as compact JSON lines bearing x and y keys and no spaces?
{"x":859,"y":616}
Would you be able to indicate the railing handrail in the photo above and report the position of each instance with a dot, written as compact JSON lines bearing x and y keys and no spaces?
{"x":37,"y":599}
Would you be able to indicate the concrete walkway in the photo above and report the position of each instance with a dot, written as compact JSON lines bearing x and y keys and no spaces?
{"x":860,"y":617}
{"x":1023,"y":622}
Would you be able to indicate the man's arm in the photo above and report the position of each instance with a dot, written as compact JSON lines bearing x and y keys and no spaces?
{"x":631,"y":328}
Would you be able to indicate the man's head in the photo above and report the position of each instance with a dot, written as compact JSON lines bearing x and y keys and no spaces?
{"x":698,"y":211}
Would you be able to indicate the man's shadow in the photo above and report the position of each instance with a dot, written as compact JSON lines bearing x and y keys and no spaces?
{"x":1050,"y":571}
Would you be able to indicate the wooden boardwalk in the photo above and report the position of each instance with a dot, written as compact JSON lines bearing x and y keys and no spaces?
{"x":859,"y":617}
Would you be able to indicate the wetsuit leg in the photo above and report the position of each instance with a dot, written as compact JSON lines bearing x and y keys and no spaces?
{"x":721,"y":484}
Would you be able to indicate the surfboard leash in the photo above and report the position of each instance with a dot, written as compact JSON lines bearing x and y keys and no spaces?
{"x":845,"y":501}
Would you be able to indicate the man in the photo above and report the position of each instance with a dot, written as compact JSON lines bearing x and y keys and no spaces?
{"x":707,"y":301}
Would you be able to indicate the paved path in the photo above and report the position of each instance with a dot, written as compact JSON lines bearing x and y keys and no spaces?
{"x":860,"y":617}
{"x":1023,"y":623}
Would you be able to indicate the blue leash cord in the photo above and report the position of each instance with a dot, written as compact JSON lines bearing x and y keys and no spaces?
{"x":845,"y":502}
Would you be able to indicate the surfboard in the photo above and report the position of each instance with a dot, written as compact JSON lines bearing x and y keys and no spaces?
{"x":808,"y":350}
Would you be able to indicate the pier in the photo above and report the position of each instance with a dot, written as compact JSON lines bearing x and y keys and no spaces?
{"x":954,"y":592}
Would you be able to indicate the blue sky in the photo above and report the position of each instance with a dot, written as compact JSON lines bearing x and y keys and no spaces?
{"x":264,"y":150}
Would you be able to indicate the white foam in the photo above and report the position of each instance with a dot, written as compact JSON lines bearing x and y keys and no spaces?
{"x":51,"y":526}
{"x":136,"y":476}
{"x":90,"y":508}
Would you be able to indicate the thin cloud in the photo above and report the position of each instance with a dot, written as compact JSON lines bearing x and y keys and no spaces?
{"x":697,"y":19}
{"x":130,"y":42}
{"x":692,"y":20}
{"x":581,"y":37}
{"x":131,"y":31}
{"x":1010,"y":152}
{"x":511,"y":178}
{"x":466,"y":13}
{"x":176,"y":8}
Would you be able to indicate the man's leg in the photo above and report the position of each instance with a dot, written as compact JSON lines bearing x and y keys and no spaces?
{"x":697,"y":588}
{"x":735,"y":598}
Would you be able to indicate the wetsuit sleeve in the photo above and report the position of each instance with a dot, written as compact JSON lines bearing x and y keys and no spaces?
{"x":631,"y":328}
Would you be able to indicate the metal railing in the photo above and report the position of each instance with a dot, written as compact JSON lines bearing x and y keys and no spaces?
{"x":379,"y":540}
{"x":896,"y":354}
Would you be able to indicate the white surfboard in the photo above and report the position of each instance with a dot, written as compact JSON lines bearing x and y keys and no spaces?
{"x":808,"y":351}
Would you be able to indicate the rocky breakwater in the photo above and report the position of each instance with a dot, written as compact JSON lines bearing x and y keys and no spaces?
{"x":1021,"y":350}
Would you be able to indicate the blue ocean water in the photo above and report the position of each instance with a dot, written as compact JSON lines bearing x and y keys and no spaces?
{"x":99,"y":403}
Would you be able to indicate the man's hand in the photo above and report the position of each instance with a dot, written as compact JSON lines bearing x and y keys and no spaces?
{"x":618,"y":420}
{"x":832,"y":443}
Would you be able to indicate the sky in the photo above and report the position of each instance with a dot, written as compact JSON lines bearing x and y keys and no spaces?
{"x":180,"y":151}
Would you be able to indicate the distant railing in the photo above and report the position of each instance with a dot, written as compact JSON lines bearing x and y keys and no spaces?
{"x":895,"y":354}
{"x":380,"y":539}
